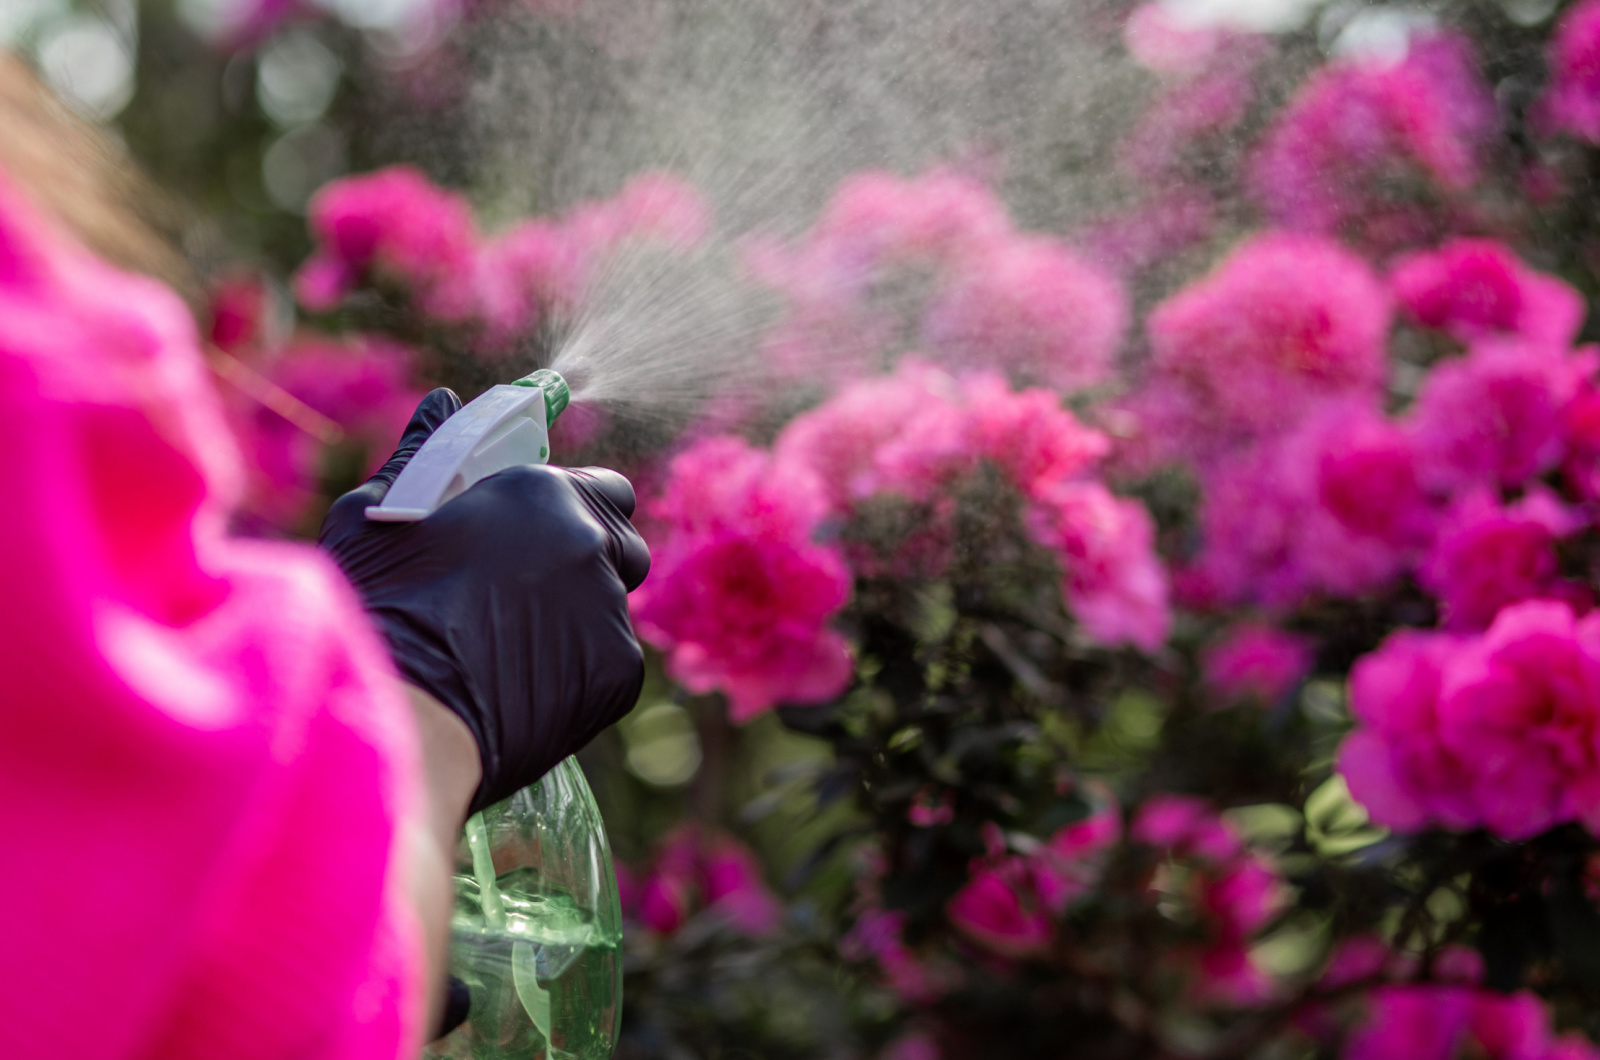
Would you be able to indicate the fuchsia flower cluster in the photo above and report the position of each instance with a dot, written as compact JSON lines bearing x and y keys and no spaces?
{"x":937,"y":257}
{"x":396,"y":228}
{"x":1256,"y":662}
{"x":741,"y":591}
{"x":1449,"y":1017}
{"x":1379,"y":150}
{"x":1008,"y":909}
{"x":1497,"y":730}
{"x":1310,"y":487}
{"x":1013,"y":899}
{"x":1231,"y":891}
{"x":743,"y":587}
{"x":916,"y":433}
{"x":1019,"y":893}
{"x":1440,"y":1021}
{"x":1285,"y":321}
{"x":695,"y":872}
{"x":1572,"y":103}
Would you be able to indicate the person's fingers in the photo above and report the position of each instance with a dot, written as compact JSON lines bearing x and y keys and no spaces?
{"x":457,"y":1007}
{"x":433,"y":410}
{"x":633,"y":562}
{"x":609,"y":484}
{"x":612,"y":500}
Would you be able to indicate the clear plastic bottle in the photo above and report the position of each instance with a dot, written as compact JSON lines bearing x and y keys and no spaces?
{"x":536,"y":933}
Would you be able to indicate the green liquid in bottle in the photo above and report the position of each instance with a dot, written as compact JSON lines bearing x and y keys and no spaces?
{"x":540,"y":947}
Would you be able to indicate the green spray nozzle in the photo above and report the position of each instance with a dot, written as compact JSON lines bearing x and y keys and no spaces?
{"x":556,"y":393}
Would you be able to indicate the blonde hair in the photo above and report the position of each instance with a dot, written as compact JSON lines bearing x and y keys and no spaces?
{"x":86,"y":181}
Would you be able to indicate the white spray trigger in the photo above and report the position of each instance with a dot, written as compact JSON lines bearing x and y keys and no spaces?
{"x":503,"y":427}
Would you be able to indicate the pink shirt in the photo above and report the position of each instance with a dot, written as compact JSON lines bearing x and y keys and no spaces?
{"x":203,"y":755}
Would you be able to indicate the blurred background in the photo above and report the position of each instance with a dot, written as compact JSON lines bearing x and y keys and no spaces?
{"x":730,"y":215}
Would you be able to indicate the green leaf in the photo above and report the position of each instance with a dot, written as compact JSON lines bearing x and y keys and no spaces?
{"x":1336,"y":823}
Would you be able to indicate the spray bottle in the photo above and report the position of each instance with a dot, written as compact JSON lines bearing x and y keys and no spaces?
{"x":537,"y":927}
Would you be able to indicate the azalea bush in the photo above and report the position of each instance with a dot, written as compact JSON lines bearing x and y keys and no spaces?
{"x":1162,"y":630}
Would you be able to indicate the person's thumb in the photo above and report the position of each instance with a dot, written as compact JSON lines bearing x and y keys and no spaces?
{"x":434,"y":409}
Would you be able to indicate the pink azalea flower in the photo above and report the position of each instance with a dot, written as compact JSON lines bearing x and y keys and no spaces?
{"x":1412,"y":1023}
{"x":929,"y":810}
{"x":1235,"y":894}
{"x":1244,"y":897}
{"x":1396,"y":764}
{"x":694,"y":871}
{"x":1572,"y":1047}
{"x":1336,"y":507}
{"x":1039,"y":444}
{"x":1430,"y":1021}
{"x":1113,"y":581}
{"x":1522,"y":704}
{"x":855,"y":442}
{"x":740,"y":594}
{"x":1284,"y":322}
{"x":1030,"y":306}
{"x":912,"y":432}
{"x":746,"y":615}
{"x":990,"y":911}
{"x":915,"y":432}
{"x":239,"y":307}
{"x":877,"y":936}
{"x":396,"y":226}
{"x":1498,"y":731}
{"x":1352,"y":147}
{"x":1168,"y":820}
{"x":984,"y":294}
{"x":1572,"y":102}
{"x":733,"y":886}
{"x":1495,"y":416}
{"x":652,"y":206}
{"x":542,"y":263}
{"x":1477,"y":288}
{"x":1228,"y":975}
{"x":1069,"y":864}
{"x":1258,"y":663}
{"x":1368,"y":477}
{"x":1186,"y":826}
{"x":718,"y":484}
{"x":940,"y":216}
{"x":1580,"y":437}
{"x":1091,"y":836}
{"x":1487,"y":556}
{"x":1357,"y":958}
{"x":662,"y":207}
{"x":664,"y":902}
{"x":523,"y":272}
{"x":1510,"y":1026}
{"x":1367,"y":959}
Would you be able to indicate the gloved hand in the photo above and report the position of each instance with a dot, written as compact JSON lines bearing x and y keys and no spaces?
{"x":509,"y":604}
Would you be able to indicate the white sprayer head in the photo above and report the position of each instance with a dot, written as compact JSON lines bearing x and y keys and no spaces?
{"x":505,"y":426}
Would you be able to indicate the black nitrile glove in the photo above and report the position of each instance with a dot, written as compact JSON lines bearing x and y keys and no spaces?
{"x":509,"y":604}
